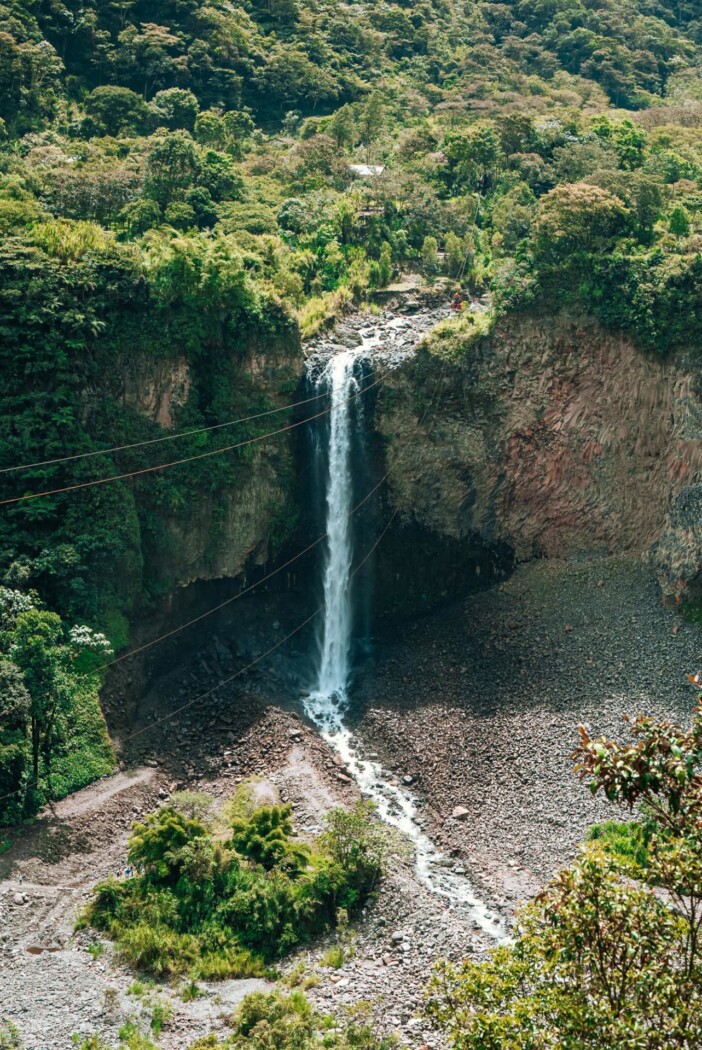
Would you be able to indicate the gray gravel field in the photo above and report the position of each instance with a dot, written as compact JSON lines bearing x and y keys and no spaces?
{"x":481,"y":701}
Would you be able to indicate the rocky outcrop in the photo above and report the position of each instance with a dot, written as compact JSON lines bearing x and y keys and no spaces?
{"x":231,"y":511}
{"x":555,"y":437}
{"x":677,"y":554}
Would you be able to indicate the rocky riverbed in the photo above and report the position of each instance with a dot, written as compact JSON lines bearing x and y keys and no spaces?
{"x":477,"y":703}
{"x":390,"y":334}
{"x":480,"y":704}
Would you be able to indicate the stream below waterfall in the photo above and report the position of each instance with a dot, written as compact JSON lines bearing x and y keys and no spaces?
{"x":327,"y":702}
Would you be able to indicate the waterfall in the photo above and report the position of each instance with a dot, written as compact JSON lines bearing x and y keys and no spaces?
{"x":327,"y":702}
{"x":336,"y":639}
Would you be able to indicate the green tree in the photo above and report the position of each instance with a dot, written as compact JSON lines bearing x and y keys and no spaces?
{"x":180,"y":215}
{"x":603,"y":958}
{"x":385,"y":265}
{"x":342,"y":127}
{"x":265,"y":838}
{"x":294,"y":216}
{"x":596,"y":964}
{"x":458,"y":254}
{"x":210,"y":129}
{"x":172,"y":167}
{"x":679,"y":223}
{"x":219,"y":176}
{"x":358,"y":843}
{"x":175,"y":109}
{"x":576,"y":218}
{"x":628,"y":140}
{"x":430,"y":257}
{"x":159,"y":844}
{"x":15,"y":752}
{"x":475,"y":158}
{"x":117,"y":110}
{"x":39,"y":651}
{"x":371,"y":122}
{"x":139,"y":216}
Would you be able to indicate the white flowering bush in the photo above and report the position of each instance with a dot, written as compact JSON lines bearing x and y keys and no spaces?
{"x":12,"y":603}
{"x":83,"y":637}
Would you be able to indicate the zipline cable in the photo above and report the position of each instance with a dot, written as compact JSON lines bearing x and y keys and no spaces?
{"x":187,"y":459}
{"x":160,"y":440}
{"x":251,"y":664}
{"x":228,"y":601}
{"x":287,"y":637}
{"x":243,"y":670}
{"x":296,"y":630}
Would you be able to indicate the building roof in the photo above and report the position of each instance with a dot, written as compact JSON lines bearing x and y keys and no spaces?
{"x":364,"y":170}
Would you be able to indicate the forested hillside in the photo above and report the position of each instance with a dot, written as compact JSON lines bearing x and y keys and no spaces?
{"x":191,"y":182}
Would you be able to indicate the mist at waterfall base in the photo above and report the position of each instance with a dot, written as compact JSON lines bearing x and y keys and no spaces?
{"x":339,"y":461}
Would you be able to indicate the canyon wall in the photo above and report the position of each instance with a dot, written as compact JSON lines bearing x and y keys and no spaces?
{"x":555,"y":438}
{"x":224,"y":513}
{"x":551,"y":438}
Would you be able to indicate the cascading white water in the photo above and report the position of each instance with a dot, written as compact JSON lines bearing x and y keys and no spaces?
{"x":326,"y":704}
{"x":336,"y":639}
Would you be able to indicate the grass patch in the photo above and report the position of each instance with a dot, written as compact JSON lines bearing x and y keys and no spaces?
{"x":289,"y":1022}
{"x":453,"y":338}
{"x":320,"y":312}
{"x":334,"y":958}
{"x":627,"y":841}
{"x":191,"y":991}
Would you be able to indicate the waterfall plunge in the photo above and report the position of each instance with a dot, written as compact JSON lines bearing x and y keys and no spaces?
{"x":336,"y":640}
{"x":327,"y":703}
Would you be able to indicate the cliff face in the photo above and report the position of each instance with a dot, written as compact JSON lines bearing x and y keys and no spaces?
{"x":556,"y":438}
{"x":216,"y":524}
{"x":551,"y":438}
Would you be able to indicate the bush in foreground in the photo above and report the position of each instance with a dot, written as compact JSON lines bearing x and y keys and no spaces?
{"x":276,"y":1021}
{"x":216,"y":909}
{"x":609,"y":954}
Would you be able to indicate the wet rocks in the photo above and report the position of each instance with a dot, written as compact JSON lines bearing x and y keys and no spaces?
{"x":388,"y":338}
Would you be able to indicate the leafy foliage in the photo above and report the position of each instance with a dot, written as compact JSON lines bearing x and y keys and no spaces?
{"x":52,"y":735}
{"x":602,"y":957}
{"x":215,"y":909}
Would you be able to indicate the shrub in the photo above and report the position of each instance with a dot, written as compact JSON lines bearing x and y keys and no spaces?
{"x":210,"y":910}
{"x":602,"y":959}
{"x":275,"y":1021}
{"x":265,"y":838}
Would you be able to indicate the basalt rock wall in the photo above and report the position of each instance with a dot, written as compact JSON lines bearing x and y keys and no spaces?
{"x":551,"y":438}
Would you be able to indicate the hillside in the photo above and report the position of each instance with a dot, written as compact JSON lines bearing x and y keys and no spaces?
{"x":350,"y":416}
{"x":195,"y":159}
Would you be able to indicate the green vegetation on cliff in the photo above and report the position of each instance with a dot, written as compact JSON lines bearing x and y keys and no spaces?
{"x":53,"y":738}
